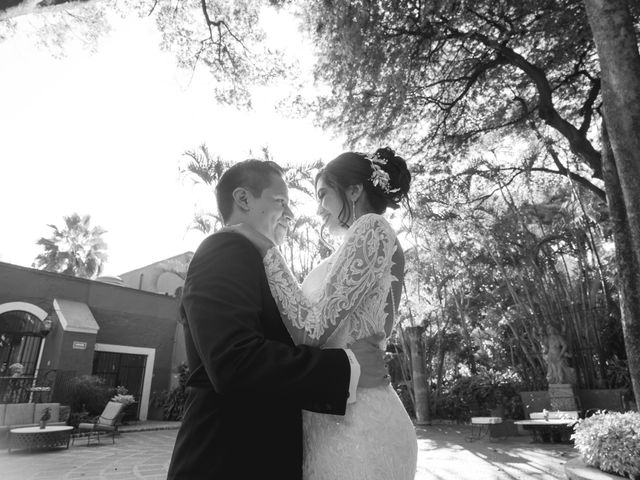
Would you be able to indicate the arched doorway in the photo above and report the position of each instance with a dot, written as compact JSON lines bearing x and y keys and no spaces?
{"x":22,"y":330}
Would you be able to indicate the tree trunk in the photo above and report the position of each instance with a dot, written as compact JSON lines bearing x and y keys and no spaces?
{"x":617,"y":45}
{"x":439,"y":375}
{"x":420,"y":388}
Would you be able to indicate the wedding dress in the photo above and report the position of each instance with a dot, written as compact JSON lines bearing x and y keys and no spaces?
{"x":343,"y":300}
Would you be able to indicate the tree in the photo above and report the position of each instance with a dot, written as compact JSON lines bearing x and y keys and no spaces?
{"x":437,"y":77}
{"x":486,"y":279}
{"x":614,"y":34}
{"x":15,"y":8}
{"x":77,"y":249}
{"x":203,"y":168}
{"x":226,"y":37}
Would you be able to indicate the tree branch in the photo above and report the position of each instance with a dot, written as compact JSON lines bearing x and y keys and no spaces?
{"x":562,"y":169}
{"x":475,"y":74}
{"x":17,"y":8}
{"x":153,"y":7}
{"x":587,"y":108}
{"x":578,"y":142}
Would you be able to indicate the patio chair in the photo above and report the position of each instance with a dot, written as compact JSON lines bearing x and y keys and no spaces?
{"x":106,"y":424}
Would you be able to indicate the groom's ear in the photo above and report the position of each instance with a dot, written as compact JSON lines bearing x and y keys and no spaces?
{"x":241,"y":198}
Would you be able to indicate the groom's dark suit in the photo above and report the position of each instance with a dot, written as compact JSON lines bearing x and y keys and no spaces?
{"x":248,"y":381}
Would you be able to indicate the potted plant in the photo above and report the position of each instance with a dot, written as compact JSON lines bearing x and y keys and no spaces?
{"x":16,"y":369}
{"x":122,"y":396}
{"x":45,"y":417}
{"x":610,"y":442}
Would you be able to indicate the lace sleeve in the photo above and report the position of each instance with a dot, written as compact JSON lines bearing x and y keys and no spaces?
{"x":360,"y":262}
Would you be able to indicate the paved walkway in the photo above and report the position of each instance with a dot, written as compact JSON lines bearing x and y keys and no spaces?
{"x":444,"y":454}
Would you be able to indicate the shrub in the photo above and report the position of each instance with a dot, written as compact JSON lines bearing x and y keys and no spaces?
{"x":405,"y":397}
{"x":173,"y":402}
{"x":479,"y":395}
{"x":87,"y":394}
{"x":120,"y":390}
{"x":76,"y":418}
{"x":610,"y":442}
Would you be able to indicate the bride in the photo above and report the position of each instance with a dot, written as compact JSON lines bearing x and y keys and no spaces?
{"x":353,"y":294}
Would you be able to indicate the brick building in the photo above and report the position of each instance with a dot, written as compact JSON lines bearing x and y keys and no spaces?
{"x":54,"y":327}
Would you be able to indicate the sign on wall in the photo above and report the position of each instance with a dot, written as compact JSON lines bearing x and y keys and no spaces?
{"x":80,"y":345}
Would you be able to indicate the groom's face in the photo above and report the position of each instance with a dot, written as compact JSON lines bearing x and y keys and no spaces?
{"x":270,"y":213}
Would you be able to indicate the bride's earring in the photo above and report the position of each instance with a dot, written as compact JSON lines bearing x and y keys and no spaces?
{"x":353,"y":209}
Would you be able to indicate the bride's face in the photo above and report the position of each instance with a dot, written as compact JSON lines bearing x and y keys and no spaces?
{"x":330,"y":205}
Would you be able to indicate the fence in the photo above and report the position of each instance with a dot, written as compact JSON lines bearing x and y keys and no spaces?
{"x":46,"y":386}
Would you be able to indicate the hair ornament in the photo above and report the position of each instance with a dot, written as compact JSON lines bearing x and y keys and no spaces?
{"x":379,"y":177}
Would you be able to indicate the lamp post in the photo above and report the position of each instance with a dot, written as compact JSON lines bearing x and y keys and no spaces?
{"x":47,"y":323}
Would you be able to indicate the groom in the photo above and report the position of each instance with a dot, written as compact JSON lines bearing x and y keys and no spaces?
{"x":248,"y":381}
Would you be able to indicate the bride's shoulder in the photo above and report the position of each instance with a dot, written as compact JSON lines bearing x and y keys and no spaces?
{"x":368,"y":225}
{"x":371,"y":221}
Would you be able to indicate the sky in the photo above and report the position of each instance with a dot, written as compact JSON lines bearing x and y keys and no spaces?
{"x":104,"y":134}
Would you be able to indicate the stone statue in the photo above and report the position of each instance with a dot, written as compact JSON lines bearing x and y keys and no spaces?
{"x":556,"y":354}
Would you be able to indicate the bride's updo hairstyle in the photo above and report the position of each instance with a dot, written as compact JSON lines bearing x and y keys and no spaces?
{"x":383,"y":175}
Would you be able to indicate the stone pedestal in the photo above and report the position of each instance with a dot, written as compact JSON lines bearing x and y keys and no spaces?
{"x":562,"y":396}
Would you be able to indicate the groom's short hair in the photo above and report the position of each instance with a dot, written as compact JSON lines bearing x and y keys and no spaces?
{"x":254,"y":175}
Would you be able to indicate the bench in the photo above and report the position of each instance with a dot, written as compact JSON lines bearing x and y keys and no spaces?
{"x":550,"y":426}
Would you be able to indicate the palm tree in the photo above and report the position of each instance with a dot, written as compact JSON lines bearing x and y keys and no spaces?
{"x":77,"y":249}
{"x":205,"y":169}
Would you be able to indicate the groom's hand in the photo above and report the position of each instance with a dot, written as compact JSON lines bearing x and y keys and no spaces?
{"x":373,"y":371}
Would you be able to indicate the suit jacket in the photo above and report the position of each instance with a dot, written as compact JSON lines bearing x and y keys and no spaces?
{"x":248,"y":381}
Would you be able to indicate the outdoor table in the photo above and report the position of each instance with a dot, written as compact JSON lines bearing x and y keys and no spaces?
{"x":36,"y":437}
{"x":547,"y":428}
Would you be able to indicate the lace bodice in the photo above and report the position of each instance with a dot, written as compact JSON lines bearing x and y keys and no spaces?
{"x":344,"y":298}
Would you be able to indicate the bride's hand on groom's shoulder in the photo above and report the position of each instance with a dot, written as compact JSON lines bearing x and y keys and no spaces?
{"x":262,"y":243}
